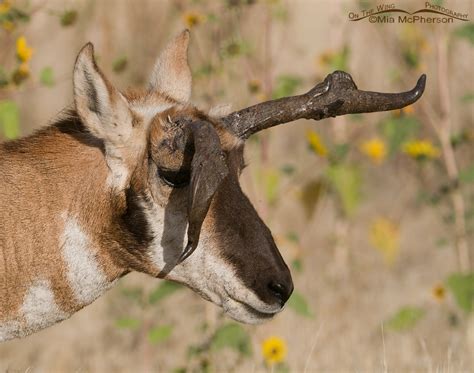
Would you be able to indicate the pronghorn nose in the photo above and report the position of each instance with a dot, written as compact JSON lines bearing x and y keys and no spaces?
{"x":280,"y":291}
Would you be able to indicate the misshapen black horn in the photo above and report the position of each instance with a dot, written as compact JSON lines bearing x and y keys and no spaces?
{"x":336,"y":95}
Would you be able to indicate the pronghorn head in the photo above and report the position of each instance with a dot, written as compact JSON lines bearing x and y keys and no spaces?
{"x":173,"y":172}
{"x":178,"y":169}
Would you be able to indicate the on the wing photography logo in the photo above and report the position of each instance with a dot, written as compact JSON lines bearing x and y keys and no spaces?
{"x":390,"y":13}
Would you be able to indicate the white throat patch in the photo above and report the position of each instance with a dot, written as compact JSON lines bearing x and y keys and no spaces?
{"x":86,"y":279}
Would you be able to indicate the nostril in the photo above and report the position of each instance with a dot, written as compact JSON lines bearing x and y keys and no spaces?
{"x":280,"y":291}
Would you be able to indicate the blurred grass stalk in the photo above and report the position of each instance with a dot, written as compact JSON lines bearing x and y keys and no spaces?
{"x":443,"y":128}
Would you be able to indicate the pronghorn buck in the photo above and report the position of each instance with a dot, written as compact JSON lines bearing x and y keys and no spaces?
{"x":143,"y":181}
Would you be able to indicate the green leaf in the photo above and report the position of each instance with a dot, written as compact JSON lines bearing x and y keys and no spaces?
{"x":235,"y":48}
{"x":467,"y":97}
{"x":204,"y":71}
{"x":441,"y":242}
{"x":336,"y":60}
{"x":160,"y":334}
{"x":398,"y":130}
{"x":341,"y":59}
{"x":232,"y":336}
{"x":462,"y":287}
{"x":467,"y":175}
{"x":339,"y":152}
{"x":405,"y":318}
{"x":293,"y":237}
{"x":17,"y":14}
{"x":120,"y":64}
{"x":127,"y":323}
{"x":47,"y":77}
{"x":271,"y":181}
{"x":310,"y":196}
{"x":9,"y":119}
{"x":466,"y":32}
{"x":164,"y":290}
{"x":288,"y":169}
{"x":297,"y":265}
{"x":299,"y":304}
{"x":3,"y":77}
{"x":212,"y":17}
{"x":68,"y":18}
{"x":286,"y":85}
{"x":179,"y":370}
{"x":281,"y":368}
{"x":346,"y":181}
{"x":411,"y":56}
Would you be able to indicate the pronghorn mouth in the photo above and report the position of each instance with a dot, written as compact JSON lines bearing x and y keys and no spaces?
{"x":245,"y":313}
{"x":264,"y":309}
{"x":257,"y":313}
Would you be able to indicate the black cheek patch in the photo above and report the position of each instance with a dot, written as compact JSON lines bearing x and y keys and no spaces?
{"x":134,"y":220}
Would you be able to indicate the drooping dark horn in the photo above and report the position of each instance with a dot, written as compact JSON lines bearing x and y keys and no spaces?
{"x":336,"y":95}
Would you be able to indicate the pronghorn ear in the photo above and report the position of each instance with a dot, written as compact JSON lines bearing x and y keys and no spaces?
{"x":208,"y":169}
{"x":171,"y":74}
{"x":101,"y":107}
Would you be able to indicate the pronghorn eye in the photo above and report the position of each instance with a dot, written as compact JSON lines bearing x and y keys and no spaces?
{"x":173,"y":178}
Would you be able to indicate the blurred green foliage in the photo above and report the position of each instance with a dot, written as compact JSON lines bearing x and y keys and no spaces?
{"x":405,"y":318}
{"x":9,"y":119}
{"x":398,"y":130}
{"x":47,"y":77}
{"x":462,"y":287}
{"x":346,"y":181}
{"x":160,"y":334}
{"x":286,"y":85}
{"x":164,"y":290}
{"x":232,"y":335}
{"x":466,"y":32}
{"x":298,"y":303}
{"x":68,"y":18}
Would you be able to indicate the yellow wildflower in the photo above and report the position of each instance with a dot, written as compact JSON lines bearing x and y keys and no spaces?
{"x":421,"y":149}
{"x":23,"y":51}
{"x":316,"y":143}
{"x":5,"y":7}
{"x":193,"y":19}
{"x":274,"y":350}
{"x":375,"y":149}
{"x":385,"y":237}
{"x":439,"y":292}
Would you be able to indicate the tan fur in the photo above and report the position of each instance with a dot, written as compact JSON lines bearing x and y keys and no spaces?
{"x":40,"y":190}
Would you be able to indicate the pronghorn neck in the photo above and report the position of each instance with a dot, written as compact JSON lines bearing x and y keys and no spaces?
{"x":68,"y":252}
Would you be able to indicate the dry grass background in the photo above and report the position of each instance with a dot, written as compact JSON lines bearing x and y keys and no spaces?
{"x":349,"y":288}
